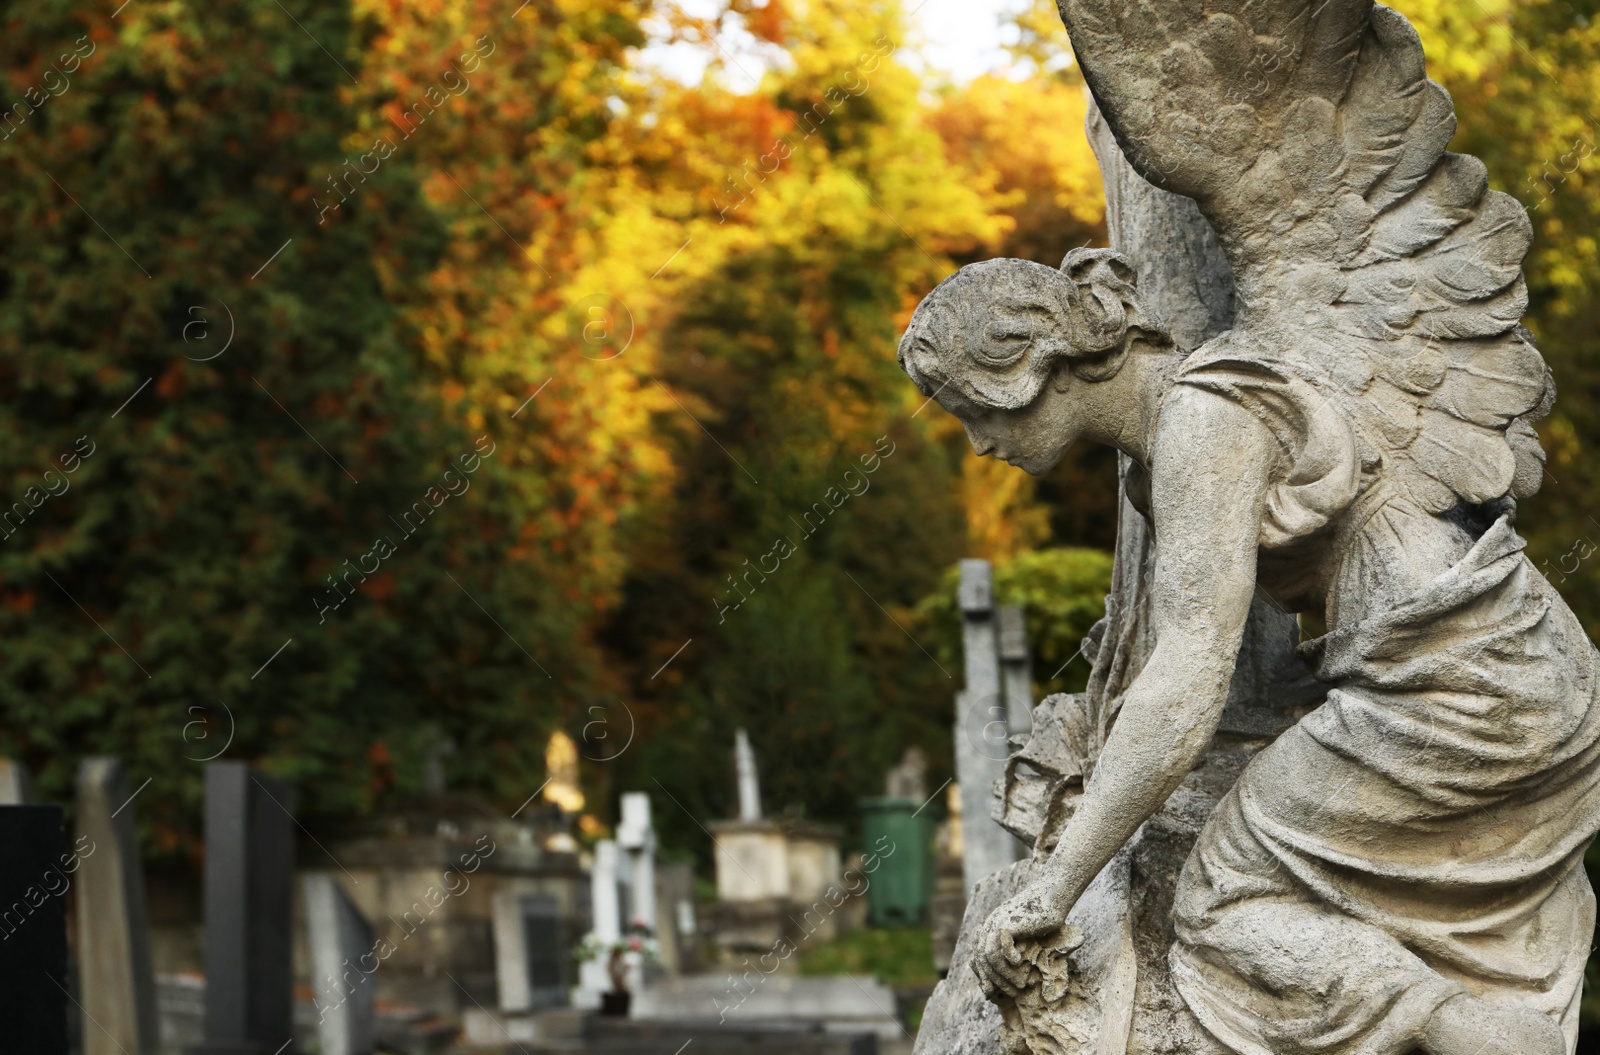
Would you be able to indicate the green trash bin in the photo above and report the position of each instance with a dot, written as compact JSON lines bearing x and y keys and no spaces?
{"x":902,"y":840}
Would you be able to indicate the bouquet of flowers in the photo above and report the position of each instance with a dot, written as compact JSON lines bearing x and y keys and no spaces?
{"x":637,"y":937}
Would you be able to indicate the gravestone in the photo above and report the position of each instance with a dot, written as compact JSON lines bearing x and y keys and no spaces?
{"x":750,"y":853}
{"x":605,"y":910}
{"x":249,"y":897}
{"x":636,"y":836}
{"x":676,"y":925}
{"x":15,"y":788}
{"x":1016,"y":672}
{"x":749,"y":786}
{"x":35,"y":873}
{"x":118,"y":988}
{"x":530,"y":950}
{"x":343,"y":957}
{"x":982,"y":734}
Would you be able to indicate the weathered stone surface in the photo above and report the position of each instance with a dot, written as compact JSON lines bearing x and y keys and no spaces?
{"x":982,"y":730}
{"x":1183,"y":273}
{"x":1401,"y":868}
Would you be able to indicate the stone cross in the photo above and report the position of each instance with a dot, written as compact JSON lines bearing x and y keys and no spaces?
{"x":603,"y":886}
{"x":117,"y":983}
{"x":35,"y":873}
{"x":249,"y":896}
{"x":749,"y":787}
{"x":983,"y":730}
{"x":606,"y":911}
{"x":637,"y":839}
{"x":1016,"y":671}
{"x":342,"y":949}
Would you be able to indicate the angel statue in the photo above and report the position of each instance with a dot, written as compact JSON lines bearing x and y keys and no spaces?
{"x":1401,"y":870}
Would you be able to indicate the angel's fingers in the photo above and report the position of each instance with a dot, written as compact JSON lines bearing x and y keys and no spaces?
{"x":988,"y":979}
{"x":1008,"y":946}
{"x":1014,"y":978}
{"x":1000,"y":977}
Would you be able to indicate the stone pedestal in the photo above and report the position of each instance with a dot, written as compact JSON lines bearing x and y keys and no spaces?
{"x":813,"y":860}
{"x":117,"y":983}
{"x":752,"y":861}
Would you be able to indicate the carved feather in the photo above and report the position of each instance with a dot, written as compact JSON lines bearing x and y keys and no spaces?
{"x":1377,"y":263}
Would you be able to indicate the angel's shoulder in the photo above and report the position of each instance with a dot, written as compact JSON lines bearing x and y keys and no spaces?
{"x":1211,"y":426}
{"x":1315,"y":469}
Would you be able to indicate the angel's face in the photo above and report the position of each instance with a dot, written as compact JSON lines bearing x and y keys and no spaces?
{"x":1033,"y":438}
{"x":992,"y":345}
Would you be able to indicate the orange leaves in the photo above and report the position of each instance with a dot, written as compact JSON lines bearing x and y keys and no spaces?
{"x":379,"y":587}
{"x":171,"y":384}
{"x":767,"y":20}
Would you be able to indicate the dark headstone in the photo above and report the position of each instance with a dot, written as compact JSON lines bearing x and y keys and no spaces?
{"x":249,"y":899}
{"x":543,"y":941}
{"x":531,"y":951}
{"x":35,"y":873}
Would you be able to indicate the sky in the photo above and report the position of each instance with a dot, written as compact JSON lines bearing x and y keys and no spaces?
{"x":958,"y":37}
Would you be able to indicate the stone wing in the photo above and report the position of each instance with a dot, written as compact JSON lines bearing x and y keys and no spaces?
{"x":1377,"y":263}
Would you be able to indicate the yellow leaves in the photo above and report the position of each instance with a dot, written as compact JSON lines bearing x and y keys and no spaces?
{"x":1002,"y":517}
{"x":1049,"y":187}
{"x":1560,"y":439}
{"x":1463,"y":40}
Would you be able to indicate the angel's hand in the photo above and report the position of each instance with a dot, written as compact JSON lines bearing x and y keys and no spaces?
{"x":1032,"y":916}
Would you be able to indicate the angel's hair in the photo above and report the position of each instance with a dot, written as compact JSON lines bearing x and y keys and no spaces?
{"x":1085,"y":314}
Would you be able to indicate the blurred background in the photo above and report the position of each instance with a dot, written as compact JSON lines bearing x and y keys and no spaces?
{"x":477,"y":411}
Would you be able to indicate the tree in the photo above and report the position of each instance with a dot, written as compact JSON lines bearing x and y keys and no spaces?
{"x":208,"y":178}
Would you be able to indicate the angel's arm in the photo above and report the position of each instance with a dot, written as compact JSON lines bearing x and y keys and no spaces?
{"x":1211,"y":466}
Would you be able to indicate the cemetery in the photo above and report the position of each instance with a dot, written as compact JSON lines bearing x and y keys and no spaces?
{"x":1084,"y":556}
{"x":458,"y":930}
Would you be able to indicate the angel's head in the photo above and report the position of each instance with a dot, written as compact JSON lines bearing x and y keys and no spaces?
{"x":1013,"y":349}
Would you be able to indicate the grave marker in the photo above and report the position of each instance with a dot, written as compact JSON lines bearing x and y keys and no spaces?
{"x":982,"y":730}
{"x":343,"y":957}
{"x":118,"y":986}
{"x":15,"y":788}
{"x":744,"y":760}
{"x":530,"y":950}
{"x":249,"y":898}
{"x":34,"y":876}
{"x":1016,"y":670}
